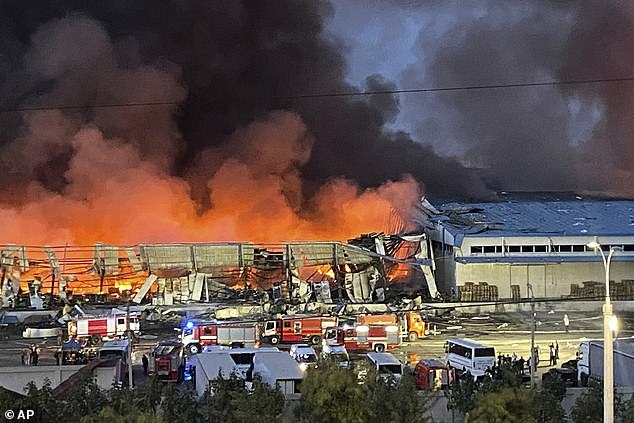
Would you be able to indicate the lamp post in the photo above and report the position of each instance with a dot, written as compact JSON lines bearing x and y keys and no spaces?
{"x":608,"y":349}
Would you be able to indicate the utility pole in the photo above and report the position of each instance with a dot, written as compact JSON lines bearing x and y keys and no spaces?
{"x":533,"y":327}
{"x":129,"y":334}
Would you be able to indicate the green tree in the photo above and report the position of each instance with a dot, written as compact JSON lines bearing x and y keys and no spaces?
{"x":625,"y":411}
{"x":220,"y":398}
{"x":548,"y":400}
{"x":42,"y":402}
{"x":109,"y":415}
{"x":392,"y":401}
{"x":462,"y":393}
{"x":332,"y":395}
{"x":510,"y":405}
{"x":82,"y":398}
{"x":588,"y":407}
{"x":179,"y":405}
{"x":262,"y":404}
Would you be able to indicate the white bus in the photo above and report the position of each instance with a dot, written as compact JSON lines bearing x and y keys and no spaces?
{"x":465,"y":355}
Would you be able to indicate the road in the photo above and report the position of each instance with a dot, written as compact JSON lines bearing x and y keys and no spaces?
{"x":507,"y":333}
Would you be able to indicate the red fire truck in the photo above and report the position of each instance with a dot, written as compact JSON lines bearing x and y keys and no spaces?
{"x":410,"y":323}
{"x":294,"y":329}
{"x":364,"y":338}
{"x":167,"y":361}
{"x":93,"y":329}
{"x":196,"y":335}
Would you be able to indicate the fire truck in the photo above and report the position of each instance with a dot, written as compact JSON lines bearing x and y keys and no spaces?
{"x":296,"y":329}
{"x":196,"y":335}
{"x":167,"y":361}
{"x":376,"y":338}
{"x":91,"y":330}
{"x":410,"y":323}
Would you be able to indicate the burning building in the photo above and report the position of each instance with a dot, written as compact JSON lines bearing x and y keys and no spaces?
{"x":183,"y":273}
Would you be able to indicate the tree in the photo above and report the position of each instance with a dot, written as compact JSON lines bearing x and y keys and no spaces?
{"x":221,"y":396}
{"x":588,"y":407}
{"x":179,"y":405}
{"x":462,"y":392}
{"x":42,"y":402}
{"x":393,"y":401}
{"x":109,"y":415}
{"x":548,"y":400}
{"x":625,"y":411}
{"x":262,"y":404}
{"x":83,"y":398}
{"x":229,"y":401}
{"x":510,"y":405}
{"x":332,"y":395}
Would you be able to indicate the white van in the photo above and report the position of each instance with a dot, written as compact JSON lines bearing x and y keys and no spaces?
{"x":386,"y":365}
{"x":465,"y":355}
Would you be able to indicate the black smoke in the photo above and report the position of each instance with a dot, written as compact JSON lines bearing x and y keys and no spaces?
{"x":237,"y":60}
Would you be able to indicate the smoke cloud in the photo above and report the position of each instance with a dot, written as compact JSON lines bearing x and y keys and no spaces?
{"x":236,"y":157}
{"x":572,"y":137}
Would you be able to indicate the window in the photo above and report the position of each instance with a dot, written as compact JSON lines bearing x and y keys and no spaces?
{"x":541,"y":248}
{"x":269,"y":326}
{"x":207,"y":331}
{"x":121,"y":321}
{"x":527,"y":248}
{"x":460,"y":350}
{"x":391,"y":369}
{"x":476,"y":250}
{"x":242,"y":359}
{"x":489,"y":249}
{"x":578,"y":248}
{"x":485,"y":352}
{"x":287,"y":324}
{"x":514,"y":249}
{"x":628,"y":247}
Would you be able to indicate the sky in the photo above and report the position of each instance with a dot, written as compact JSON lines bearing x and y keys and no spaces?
{"x":241,"y":151}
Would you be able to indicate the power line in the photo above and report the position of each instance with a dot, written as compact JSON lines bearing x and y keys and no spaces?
{"x":333,"y":94}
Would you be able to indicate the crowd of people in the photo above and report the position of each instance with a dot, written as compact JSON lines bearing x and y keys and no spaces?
{"x":523,"y":365}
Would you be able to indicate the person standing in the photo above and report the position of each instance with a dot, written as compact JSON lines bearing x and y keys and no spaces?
{"x":146,"y":363}
{"x":551,"y":351}
{"x":566,"y":322}
{"x":34,"y":355}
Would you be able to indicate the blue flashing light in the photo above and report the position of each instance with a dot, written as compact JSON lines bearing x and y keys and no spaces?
{"x":189,"y":325}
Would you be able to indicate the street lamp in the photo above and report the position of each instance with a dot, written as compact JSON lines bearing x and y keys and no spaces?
{"x":608,"y":351}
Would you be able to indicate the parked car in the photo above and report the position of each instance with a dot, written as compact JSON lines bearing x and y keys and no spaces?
{"x":336,"y":354}
{"x":386,"y":366}
{"x":305,"y":355}
{"x":565,"y":374}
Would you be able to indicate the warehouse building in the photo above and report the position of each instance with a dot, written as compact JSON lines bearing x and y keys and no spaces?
{"x":500,"y":250}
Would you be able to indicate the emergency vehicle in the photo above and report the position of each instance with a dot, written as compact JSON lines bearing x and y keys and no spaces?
{"x":91,"y":330}
{"x":376,"y":338}
{"x":296,"y":329}
{"x":196,"y":335}
{"x":411,"y":324}
{"x":431,"y":374}
{"x":167,"y":361}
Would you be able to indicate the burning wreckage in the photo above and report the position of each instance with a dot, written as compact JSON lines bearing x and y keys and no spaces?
{"x":373,"y":268}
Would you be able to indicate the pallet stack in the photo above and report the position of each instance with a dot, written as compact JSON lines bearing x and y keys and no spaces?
{"x":515,"y":293}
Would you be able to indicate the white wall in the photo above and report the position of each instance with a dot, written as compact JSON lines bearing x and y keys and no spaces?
{"x":550,"y":280}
